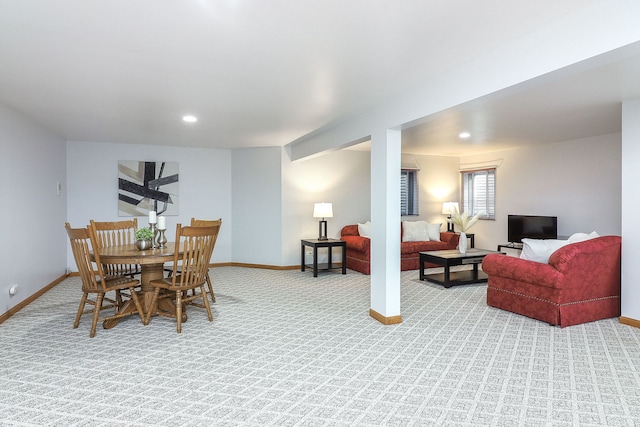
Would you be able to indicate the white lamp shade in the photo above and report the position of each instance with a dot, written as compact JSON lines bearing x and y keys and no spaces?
{"x":450,"y":207}
{"x":323,"y":210}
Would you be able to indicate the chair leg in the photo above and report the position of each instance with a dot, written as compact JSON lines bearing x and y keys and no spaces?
{"x":83,"y":301}
{"x":136,"y":301}
{"x":179,"y":311}
{"x":96,"y":314}
{"x":213,"y":296}
{"x":147,"y":317}
{"x":205,"y":300}
{"x":118,"y":301}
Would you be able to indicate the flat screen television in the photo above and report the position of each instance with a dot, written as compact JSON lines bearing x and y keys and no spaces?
{"x":531,"y":227}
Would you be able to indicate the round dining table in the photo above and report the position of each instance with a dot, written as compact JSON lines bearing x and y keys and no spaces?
{"x":151,"y":263}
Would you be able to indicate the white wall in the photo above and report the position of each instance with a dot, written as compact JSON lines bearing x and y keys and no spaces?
{"x":630,"y":208}
{"x":205,"y":186}
{"x":265,"y":200}
{"x":344,"y":178}
{"x":33,"y":215}
{"x":339,"y":177}
{"x":257,"y":195}
{"x":438,"y":182}
{"x":578,"y":181}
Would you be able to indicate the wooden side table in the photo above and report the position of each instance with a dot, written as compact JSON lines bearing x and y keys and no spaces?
{"x":329,"y":244}
{"x":472,"y":239}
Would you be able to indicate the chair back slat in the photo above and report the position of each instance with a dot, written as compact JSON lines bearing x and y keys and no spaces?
{"x":115,"y":233}
{"x":81,"y":245}
{"x":198,"y":243}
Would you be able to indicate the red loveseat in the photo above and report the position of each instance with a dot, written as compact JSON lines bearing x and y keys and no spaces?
{"x":359,"y":255}
{"x":581,"y":283}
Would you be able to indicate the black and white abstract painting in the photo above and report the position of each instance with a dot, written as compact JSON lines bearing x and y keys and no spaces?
{"x":147,"y":186}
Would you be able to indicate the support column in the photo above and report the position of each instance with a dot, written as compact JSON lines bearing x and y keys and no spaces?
{"x":385,"y":226}
{"x":630,"y":292}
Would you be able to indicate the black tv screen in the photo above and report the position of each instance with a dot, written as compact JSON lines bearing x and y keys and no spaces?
{"x":531,"y":227}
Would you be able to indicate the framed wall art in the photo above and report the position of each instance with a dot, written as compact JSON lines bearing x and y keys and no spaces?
{"x":147,"y":186}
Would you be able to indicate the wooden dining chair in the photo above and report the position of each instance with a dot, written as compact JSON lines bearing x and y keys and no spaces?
{"x":116,"y":233}
{"x":189,"y":272}
{"x":204,"y":223}
{"x":95,"y":284}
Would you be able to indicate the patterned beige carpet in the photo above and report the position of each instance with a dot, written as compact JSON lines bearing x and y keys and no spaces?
{"x":289,"y":349}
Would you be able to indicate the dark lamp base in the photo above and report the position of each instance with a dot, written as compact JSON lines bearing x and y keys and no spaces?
{"x":322,"y":230}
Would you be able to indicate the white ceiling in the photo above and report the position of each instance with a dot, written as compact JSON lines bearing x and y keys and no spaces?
{"x":264,"y":73}
{"x":579,"y":101}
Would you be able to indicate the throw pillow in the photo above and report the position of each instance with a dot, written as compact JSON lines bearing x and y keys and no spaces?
{"x":415,"y":231}
{"x":434,"y":231}
{"x":581,"y":237}
{"x":364,"y":230}
{"x":540,"y":250}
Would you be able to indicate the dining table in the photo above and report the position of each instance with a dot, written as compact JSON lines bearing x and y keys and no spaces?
{"x":151,"y":263}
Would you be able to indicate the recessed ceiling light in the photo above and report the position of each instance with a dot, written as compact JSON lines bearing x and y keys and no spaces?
{"x":464,"y":135}
{"x":190,"y":119}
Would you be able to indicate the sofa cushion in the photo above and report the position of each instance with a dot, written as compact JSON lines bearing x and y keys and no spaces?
{"x":539,"y":250}
{"x":408,"y":248}
{"x":415,"y":231}
{"x":581,"y":237}
{"x":434,"y":231}
{"x":364,"y":230}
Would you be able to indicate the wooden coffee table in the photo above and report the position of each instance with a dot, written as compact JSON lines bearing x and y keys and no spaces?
{"x":450,"y":258}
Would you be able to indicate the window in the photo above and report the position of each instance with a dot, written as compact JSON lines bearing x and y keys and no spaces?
{"x":479,"y":192}
{"x":408,"y":192}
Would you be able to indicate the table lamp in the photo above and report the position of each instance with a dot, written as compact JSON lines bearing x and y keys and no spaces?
{"x":322,"y":210}
{"x":447,"y":209}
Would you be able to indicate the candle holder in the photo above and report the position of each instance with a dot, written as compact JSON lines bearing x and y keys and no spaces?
{"x":162,"y":240}
{"x":153,"y":228}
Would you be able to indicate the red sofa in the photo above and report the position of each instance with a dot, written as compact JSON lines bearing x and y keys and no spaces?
{"x":581,"y":283}
{"x":359,"y":255}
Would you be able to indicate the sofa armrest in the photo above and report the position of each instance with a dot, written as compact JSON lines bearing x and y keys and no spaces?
{"x":522,"y":270}
{"x":587,"y":254}
{"x":451,"y":239}
{"x":357,"y":243}
{"x":350,"y":230}
{"x":592,"y":266}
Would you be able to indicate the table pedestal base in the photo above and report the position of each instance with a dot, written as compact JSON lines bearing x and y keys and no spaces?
{"x":149,"y":272}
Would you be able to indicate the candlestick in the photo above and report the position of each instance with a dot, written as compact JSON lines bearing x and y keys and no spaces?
{"x":152,"y":217}
{"x":161,"y":239}
{"x":162,"y":223}
{"x":153,"y":228}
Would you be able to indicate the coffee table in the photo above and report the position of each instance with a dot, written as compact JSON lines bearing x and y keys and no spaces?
{"x":450,"y":258}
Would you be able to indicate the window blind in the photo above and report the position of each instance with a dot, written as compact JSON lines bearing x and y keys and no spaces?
{"x":479,"y":192}
{"x":408,"y":192}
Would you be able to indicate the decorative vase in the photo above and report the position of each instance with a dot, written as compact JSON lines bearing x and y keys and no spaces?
{"x":144,"y":244}
{"x":462,"y":244}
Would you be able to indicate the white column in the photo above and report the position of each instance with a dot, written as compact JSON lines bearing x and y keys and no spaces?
{"x":630,"y":295}
{"x":385,"y":226}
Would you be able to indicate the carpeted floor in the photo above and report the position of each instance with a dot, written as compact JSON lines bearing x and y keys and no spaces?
{"x":289,"y":349}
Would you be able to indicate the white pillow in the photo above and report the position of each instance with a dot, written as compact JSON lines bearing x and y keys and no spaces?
{"x":540,"y":250}
{"x":415,"y":231}
{"x":581,"y":237}
{"x":364,"y":230}
{"x":434,"y":232}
